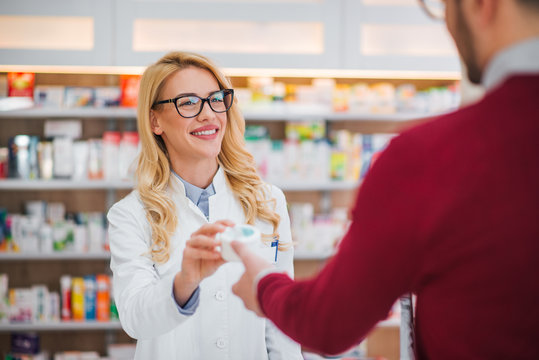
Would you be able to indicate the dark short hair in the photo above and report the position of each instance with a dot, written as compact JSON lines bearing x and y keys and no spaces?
{"x":529,"y":4}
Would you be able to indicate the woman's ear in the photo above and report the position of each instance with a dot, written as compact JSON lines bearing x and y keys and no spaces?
{"x":156,"y":128}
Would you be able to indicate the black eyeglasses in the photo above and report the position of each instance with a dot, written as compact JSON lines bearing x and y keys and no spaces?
{"x":189,"y":106}
{"x":435,"y":9}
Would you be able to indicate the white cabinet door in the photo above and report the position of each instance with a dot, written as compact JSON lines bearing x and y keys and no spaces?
{"x":56,"y":32}
{"x":234,"y":33}
{"x":396,"y":35}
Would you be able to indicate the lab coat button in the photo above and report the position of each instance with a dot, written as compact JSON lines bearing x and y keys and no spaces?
{"x":221,"y":343}
{"x":220,"y":295}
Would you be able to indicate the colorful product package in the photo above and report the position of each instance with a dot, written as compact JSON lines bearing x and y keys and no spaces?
{"x":76,"y":96}
{"x":90,"y":291}
{"x":21,"y":84}
{"x":129,"y":85}
{"x":77,"y":298}
{"x":103,"y":297}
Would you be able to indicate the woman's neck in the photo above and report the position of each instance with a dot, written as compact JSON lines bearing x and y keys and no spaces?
{"x":199,"y":174}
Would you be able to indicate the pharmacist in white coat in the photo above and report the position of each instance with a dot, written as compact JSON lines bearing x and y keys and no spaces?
{"x":170,"y":284}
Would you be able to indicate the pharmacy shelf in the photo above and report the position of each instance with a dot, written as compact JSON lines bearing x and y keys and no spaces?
{"x":111,"y":325}
{"x":324,"y":115}
{"x":58,"y":113}
{"x":67,"y":256}
{"x":61,"y":326}
{"x":9,"y":256}
{"x":38,"y":184}
{"x":271,"y":113}
{"x":56,"y":184}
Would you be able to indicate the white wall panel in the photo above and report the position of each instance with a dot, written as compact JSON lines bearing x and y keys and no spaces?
{"x":56,"y":32}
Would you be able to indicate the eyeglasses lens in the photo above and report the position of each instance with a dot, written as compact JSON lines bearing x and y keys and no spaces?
{"x":190,"y":106}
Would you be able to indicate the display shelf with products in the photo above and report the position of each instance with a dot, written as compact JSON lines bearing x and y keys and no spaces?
{"x":274,"y":113}
{"x":10,"y":256}
{"x":58,"y":184}
{"x":62,"y":326}
{"x":282,"y":112}
{"x":55,"y":256}
{"x":65,"y":113}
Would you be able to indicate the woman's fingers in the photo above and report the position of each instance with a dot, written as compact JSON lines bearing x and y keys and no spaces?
{"x":213,"y":228}
{"x":203,"y":254}
{"x":202,"y":241}
{"x":225,"y":222}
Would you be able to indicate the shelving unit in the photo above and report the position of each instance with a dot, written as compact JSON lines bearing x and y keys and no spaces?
{"x":275,"y":113}
{"x":56,"y":256}
{"x":111,"y":325}
{"x":57,"y":184}
{"x":347,"y":40}
{"x":19,"y":184}
{"x":98,"y":195}
{"x":62,"y":326}
{"x":70,"y":256}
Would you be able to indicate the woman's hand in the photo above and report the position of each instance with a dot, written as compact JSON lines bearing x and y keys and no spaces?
{"x":200,"y":259}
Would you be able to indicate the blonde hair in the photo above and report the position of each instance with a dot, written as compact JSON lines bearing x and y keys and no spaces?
{"x":153,"y":170}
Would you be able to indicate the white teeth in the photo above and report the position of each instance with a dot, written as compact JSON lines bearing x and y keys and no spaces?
{"x":205,"y":132}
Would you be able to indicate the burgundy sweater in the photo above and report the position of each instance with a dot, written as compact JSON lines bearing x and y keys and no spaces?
{"x":449,"y":211}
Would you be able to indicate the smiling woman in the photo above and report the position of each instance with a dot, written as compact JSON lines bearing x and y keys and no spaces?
{"x":191,"y":132}
{"x":194,"y":178}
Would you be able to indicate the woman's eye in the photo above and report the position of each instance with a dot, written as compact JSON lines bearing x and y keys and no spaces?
{"x":188,"y":102}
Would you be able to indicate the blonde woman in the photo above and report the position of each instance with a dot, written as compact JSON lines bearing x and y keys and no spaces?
{"x":194,"y":178}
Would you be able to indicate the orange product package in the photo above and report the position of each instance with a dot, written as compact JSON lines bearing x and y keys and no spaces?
{"x":20,"y":84}
{"x":103,"y":297}
{"x":129,"y":84}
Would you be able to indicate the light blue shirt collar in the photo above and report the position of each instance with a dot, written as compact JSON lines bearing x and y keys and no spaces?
{"x":520,"y":58}
{"x":193,"y":192}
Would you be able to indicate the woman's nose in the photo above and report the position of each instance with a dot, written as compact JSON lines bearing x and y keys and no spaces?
{"x":206,"y":112}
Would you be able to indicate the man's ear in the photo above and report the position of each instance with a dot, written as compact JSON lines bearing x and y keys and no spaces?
{"x":486,"y":11}
{"x":156,"y":128}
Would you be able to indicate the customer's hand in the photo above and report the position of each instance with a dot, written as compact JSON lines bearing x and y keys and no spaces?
{"x":200,"y":259}
{"x":245,"y":288}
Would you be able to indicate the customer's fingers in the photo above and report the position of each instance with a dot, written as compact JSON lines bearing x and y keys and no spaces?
{"x":252,"y":262}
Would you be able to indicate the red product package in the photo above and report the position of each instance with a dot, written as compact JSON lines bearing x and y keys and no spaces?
{"x":129,"y":84}
{"x":21,"y":84}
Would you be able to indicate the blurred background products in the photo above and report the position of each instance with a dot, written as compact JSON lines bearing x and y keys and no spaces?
{"x":111,"y":157}
{"x":306,"y":154}
{"x":81,"y":298}
{"x":47,"y":228}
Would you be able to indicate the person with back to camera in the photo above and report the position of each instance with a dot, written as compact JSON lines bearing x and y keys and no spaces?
{"x":170,"y":283}
{"x":449,"y":212}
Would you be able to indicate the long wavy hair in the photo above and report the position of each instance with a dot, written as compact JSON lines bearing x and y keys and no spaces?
{"x":153,"y":170}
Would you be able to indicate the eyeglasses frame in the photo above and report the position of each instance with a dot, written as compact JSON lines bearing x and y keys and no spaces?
{"x":428,"y":11}
{"x":204,"y":100}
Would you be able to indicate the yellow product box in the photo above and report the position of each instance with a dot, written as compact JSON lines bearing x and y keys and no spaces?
{"x":338,"y":165}
{"x":77,"y":298}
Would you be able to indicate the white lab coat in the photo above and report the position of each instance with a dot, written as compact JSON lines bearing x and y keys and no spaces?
{"x":221,"y":327}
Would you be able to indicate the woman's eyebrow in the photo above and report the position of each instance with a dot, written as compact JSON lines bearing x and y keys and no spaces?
{"x":193,"y":94}
{"x":186,"y":94}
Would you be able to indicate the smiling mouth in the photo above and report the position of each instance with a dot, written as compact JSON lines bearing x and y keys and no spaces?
{"x":205,"y":132}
